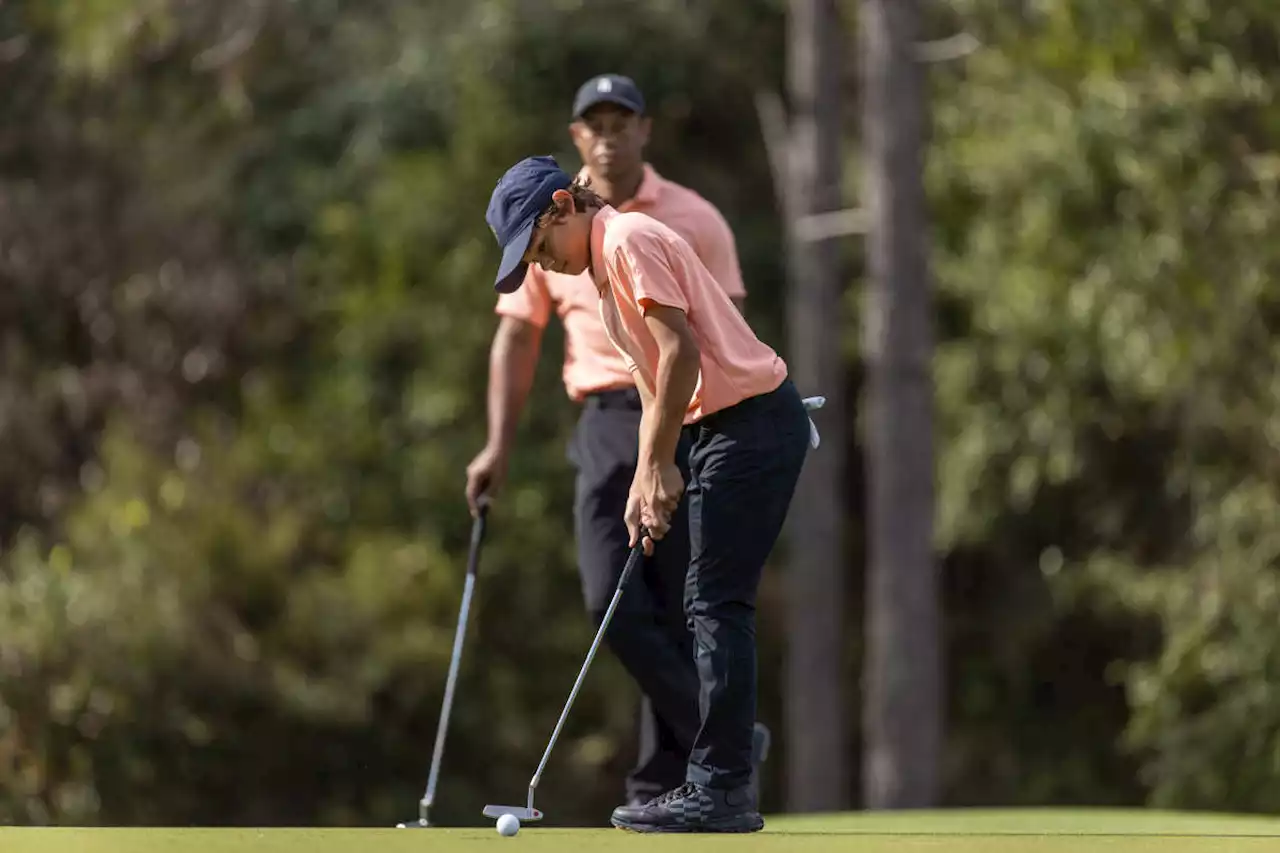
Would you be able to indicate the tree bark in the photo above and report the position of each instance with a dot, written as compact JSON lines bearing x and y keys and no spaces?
{"x":816,"y":715}
{"x":902,"y":721}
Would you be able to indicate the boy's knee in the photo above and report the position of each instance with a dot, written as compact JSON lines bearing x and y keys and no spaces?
{"x":703,"y":615}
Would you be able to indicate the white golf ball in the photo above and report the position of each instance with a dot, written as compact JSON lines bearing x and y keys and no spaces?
{"x":508,"y":824}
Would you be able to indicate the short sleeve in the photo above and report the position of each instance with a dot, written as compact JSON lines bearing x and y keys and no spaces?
{"x":531,"y":302}
{"x":719,"y":251}
{"x":644,"y":260}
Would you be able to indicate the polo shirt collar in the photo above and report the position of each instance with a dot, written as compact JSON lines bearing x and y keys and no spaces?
{"x":599,"y":272}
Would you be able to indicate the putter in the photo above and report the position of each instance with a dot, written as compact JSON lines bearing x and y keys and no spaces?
{"x":442,"y":727}
{"x":528,"y":813}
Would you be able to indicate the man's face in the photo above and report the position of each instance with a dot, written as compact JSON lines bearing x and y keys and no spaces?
{"x":611,"y":140}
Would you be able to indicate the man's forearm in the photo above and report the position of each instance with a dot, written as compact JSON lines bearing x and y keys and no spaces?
{"x":513,"y":360}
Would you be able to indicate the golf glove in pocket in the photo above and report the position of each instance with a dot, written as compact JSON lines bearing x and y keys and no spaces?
{"x":811,"y":403}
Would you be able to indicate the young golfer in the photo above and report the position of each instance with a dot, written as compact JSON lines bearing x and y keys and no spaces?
{"x":698,"y":368}
{"x":610,"y":129}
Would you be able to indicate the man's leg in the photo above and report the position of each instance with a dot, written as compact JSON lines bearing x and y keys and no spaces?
{"x":745,"y":465}
{"x":643,"y":634}
{"x":663,"y":757}
{"x":666,"y":575}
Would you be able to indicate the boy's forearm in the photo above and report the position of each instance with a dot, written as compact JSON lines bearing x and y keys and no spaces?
{"x":678,"y":365}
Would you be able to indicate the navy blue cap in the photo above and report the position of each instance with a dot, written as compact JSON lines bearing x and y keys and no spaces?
{"x":520,"y":197}
{"x":608,"y":89}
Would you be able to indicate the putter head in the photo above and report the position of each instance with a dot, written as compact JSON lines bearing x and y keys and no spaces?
{"x":523,"y":814}
{"x":424,"y":817}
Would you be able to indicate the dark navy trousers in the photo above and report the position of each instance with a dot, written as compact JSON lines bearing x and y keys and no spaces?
{"x":685,"y":627}
{"x":744,"y":465}
{"x":648,"y":633}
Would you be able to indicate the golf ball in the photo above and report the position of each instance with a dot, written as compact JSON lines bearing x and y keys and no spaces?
{"x":508,"y":824}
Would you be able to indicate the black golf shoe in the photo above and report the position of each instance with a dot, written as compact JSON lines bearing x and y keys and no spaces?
{"x":761,"y":740}
{"x":692,"y":808}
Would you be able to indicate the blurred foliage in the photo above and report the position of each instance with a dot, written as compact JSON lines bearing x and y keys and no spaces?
{"x":1105,"y":183}
{"x":244,"y":276}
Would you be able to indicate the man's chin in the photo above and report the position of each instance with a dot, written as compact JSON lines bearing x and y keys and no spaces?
{"x":613,"y":170}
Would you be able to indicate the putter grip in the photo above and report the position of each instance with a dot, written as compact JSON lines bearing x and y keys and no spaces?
{"x":477,"y":537}
{"x":634,"y":558}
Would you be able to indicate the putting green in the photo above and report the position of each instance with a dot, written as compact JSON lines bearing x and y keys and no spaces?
{"x":959,"y":831}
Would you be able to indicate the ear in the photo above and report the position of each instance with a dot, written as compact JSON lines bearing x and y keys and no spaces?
{"x":645,"y":127}
{"x":564,"y":204}
{"x":581,"y":136}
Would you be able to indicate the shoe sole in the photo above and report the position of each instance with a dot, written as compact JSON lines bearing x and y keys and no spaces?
{"x":725,"y":828}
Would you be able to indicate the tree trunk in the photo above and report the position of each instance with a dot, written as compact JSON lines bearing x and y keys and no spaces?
{"x":903,"y":696}
{"x":816,"y":717}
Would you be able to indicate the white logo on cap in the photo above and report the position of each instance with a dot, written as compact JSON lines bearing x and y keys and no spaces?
{"x":605,"y":85}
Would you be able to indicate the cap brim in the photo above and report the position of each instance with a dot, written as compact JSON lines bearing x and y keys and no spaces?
{"x":597,"y":100}
{"x":511,"y":271}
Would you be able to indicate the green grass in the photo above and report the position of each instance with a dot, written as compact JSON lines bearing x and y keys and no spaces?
{"x":960,"y":831}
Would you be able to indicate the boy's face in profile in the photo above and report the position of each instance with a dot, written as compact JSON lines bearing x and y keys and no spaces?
{"x":561,"y":242}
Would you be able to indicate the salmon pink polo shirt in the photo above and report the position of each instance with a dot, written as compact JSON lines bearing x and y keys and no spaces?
{"x":591,"y":363}
{"x":637,"y":262}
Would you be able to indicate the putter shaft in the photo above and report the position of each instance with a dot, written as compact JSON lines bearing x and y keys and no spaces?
{"x":633,"y":559}
{"x":450,"y":686}
{"x":455,"y":660}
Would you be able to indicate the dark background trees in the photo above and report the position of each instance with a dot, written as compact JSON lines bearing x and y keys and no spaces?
{"x":243,"y":289}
